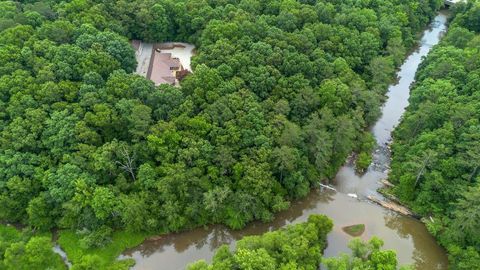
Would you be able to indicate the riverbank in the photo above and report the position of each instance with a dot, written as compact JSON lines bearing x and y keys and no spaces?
{"x":407,"y":235}
{"x":436,"y":150}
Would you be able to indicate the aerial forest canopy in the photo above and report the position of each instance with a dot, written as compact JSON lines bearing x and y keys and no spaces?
{"x":436,"y":150}
{"x":281,"y":94}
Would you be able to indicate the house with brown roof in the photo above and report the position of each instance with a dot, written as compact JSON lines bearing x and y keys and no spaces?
{"x":156,"y":62}
{"x":164,"y":68}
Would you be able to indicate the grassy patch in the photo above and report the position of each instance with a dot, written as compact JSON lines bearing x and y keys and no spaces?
{"x":121,"y":240}
{"x":354,"y":230}
{"x":9,"y":234}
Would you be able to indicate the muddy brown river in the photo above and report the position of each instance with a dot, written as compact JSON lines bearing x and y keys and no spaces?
{"x":408,"y":236}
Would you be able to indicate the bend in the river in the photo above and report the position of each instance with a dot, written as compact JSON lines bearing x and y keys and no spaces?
{"x":408,"y":236}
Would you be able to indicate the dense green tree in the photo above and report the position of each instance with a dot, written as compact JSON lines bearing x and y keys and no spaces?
{"x":280,"y":94}
{"x":294,"y":247}
{"x":35,"y":254}
{"x":436,"y":150}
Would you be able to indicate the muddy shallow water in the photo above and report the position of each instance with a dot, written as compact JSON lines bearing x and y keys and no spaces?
{"x":408,"y":236}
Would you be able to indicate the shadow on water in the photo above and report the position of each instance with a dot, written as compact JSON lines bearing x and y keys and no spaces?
{"x":213,"y":236}
{"x":408,"y":236}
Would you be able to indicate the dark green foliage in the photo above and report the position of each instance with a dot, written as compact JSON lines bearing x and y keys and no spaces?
{"x":366,"y":146}
{"x":98,"y":238}
{"x":294,"y":247}
{"x":436,"y":154}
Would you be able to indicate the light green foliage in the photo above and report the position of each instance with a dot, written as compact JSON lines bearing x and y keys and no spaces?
{"x":35,"y":254}
{"x":25,"y":251}
{"x":94,"y":262}
{"x":8,"y":236}
{"x":103,"y":203}
{"x":93,"y":258}
{"x":365,"y":255}
{"x":436,"y":151}
{"x":366,"y":146}
{"x":363,"y":161}
{"x":88,"y":262}
{"x":254,"y":259}
{"x":294,"y":247}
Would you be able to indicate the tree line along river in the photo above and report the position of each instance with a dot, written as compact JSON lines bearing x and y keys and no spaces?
{"x":408,"y":236}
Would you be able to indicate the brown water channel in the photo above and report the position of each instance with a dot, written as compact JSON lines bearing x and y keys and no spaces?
{"x":408,"y":236}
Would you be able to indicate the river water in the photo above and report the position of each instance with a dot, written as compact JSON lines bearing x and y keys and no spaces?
{"x":408,"y":236}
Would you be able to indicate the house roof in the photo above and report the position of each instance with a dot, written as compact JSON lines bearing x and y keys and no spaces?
{"x":161,"y":68}
{"x":168,"y":60}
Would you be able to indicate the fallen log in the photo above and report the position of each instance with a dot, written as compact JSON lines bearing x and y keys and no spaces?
{"x":392,"y":206}
{"x":385,"y":182}
{"x":327,"y":187}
